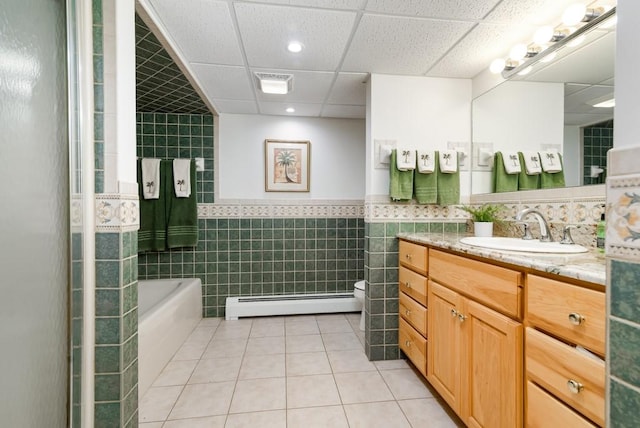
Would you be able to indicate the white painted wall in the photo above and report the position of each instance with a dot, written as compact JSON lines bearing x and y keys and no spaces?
{"x":119,"y":96}
{"x":572,"y":156}
{"x":627,"y":88}
{"x":417,"y":112}
{"x":517,"y":116}
{"x":337,"y":156}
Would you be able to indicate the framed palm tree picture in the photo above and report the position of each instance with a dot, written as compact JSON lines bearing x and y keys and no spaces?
{"x":286,"y":166}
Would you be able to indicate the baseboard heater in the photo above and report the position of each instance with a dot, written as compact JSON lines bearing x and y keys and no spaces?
{"x":290,"y":304}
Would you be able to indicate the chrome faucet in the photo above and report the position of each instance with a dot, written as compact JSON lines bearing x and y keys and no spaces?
{"x":545,"y":232}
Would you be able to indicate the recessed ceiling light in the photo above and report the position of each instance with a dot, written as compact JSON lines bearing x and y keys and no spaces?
{"x":294,"y":47}
{"x":290,"y":110}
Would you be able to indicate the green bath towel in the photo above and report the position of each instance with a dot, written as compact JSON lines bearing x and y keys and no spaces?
{"x":550,"y":180}
{"x":400,"y":182}
{"x":182,"y":213}
{"x":448,"y":185}
{"x":503,"y":182}
{"x":526,"y":181}
{"x":425,"y":186}
{"x":152,"y":235}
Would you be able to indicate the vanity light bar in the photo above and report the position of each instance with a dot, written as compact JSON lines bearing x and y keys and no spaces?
{"x":559,"y":44}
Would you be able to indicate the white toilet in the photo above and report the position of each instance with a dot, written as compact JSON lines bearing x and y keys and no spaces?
{"x":358,"y":293}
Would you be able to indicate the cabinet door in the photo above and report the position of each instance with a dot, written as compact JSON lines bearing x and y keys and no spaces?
{"x":492,"y":352}
{"x":443,"y":352}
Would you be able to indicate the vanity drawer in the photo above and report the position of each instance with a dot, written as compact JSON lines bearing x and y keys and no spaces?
{"x":413,"y":284}
{"x":574,"y":313}
{"x":414,"y":256}
{"x":544,"y":411}
{"x":413,"y":345}
{"x":553,"y":365}
{"x":495,"y":286}
{"x":413,"y":313}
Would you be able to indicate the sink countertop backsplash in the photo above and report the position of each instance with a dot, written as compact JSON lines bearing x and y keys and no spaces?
{"x":590,"y":266}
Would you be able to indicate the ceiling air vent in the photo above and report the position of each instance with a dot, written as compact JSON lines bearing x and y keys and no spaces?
{"x":274,"y":83}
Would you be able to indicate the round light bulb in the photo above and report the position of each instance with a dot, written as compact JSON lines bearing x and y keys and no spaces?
{"x":294,"y":47}
{"x":574,"y":14}
{"x":543,"y":35}
{"x":518,"y":51}
{"x":497,"y":65}
{"x":290,"y":110}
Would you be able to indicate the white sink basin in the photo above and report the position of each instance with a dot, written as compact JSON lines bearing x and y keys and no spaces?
{"x":518,"y":244}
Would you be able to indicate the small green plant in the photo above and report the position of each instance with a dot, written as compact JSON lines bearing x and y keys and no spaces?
{"x":485,"y":212}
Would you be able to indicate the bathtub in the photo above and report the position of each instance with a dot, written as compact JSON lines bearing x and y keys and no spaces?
{"x":168,"y":311}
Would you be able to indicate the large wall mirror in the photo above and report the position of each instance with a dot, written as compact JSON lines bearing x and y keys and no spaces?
{"x":554,"y":106}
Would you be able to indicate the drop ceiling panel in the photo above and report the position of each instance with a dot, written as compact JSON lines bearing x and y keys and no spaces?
{"x":351,"y":112}
{"x":324,"y":4}
{"x":221,"y":81}
{"x":349,"y":88}
{"x":203,"y":30}
{"x":451,"y":9}
{"x":308,"y":86}
{"x":401,"y":45}
{"x":278,"y":108}
{"x":236,"y":106}
{"x":475,"y":52}
{"x":266,"y":31}
{"x":529,"y":12}
{"x":583,"y":119}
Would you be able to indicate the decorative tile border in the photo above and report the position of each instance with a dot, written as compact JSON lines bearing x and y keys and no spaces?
{"x":623,"y":216}
{"x":303,"y":209}
{"x":377,"y":212}
{"x":117,"y":213}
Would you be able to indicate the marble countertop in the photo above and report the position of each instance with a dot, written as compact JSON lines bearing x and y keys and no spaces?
{"x":590,"y":266}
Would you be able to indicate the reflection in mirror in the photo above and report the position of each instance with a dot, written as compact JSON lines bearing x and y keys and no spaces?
{"x":557,"y":105}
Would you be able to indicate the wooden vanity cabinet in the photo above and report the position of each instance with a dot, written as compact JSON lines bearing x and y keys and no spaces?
{"x":412,"y":303}
{"x":474,"y":358}
{"x":462,"y":324}
{"x":562,"y":316}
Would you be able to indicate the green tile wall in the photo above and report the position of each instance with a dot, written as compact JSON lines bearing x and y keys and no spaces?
{"x":98,"y":89}
{"x":265,"y":256}
{"x":170,"y":136}
{"x":77,"y":314}
{"x":597,"y":141}
{"x":116,"y":350}
{"x":381,"y":273}
{"x":624,"y":343}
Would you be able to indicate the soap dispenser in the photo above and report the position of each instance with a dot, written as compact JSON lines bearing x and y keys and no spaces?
{"x":601,"y":230}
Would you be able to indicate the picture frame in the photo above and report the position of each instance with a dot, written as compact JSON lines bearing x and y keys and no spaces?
{"x":287,"y":165}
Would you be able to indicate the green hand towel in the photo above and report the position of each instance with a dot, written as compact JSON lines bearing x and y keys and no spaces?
{"x":526,"y":181}
{"x":550,"y":180}
{"x":152,"y":235}
{"x":503,"y":182}
{"x":400,"y":182}
{"x":425,"y":186}
{"x":182,"y":217}
{"x":448,"y":185}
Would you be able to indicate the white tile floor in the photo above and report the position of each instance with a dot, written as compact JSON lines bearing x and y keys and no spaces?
{"x":296,"y":371}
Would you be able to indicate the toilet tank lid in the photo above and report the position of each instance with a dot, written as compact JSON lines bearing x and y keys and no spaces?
{"x":360,"y":285}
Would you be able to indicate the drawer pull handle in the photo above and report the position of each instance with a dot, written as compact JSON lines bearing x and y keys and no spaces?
{"x":408,"y":257}
{"x":575,"y":318}
{"x":408,"y":284}
{"x":462,"y":317}
{"x":407,"y":312}
{"x":407,"y":344}
{"x":574,"y":386}
{"x":454,"y":313}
